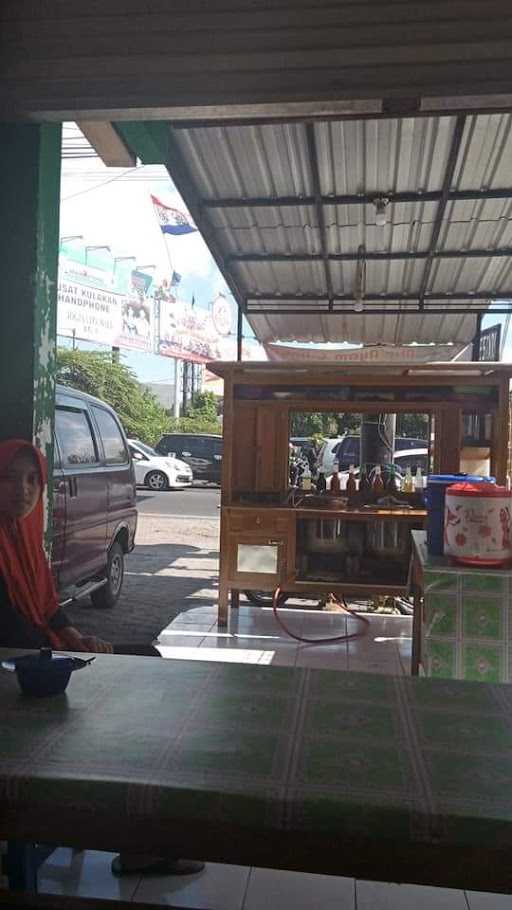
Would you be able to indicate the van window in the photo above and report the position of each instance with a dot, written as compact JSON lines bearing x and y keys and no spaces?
{"x":196,"y":445}
{"x":111,"y":437}
{"x":75,"y":438}
{"x":413,"y":462}
{"x":57,"y":463}
{"x":217,"y":446}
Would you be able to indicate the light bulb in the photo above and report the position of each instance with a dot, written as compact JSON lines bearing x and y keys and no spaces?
{"x":381,"y":204}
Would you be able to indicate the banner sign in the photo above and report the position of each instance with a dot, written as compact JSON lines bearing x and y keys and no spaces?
{"x":137,"y":314}
{"x":104,"y":300}
{"x":379,"y":353}
{"x":192,"y":333}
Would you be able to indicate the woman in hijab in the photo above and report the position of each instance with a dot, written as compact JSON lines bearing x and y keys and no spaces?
{"x":30,"y":616}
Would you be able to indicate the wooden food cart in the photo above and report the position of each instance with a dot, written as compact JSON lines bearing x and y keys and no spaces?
{"x":312,"y":547}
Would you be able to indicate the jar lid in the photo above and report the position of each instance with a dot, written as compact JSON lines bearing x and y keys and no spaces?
{"x":482,"y":490}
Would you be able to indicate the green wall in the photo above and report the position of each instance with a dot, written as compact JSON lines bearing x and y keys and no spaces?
{"x":29,"y":235}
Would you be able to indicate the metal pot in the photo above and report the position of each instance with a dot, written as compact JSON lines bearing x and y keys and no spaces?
{"x":332,"y":536}
{"x":388,"y":538}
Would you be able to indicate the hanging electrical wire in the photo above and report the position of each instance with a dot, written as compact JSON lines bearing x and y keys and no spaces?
{"x":98,"y":186}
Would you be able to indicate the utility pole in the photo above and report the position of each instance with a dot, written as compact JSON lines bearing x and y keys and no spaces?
{"x":377,"y":439}
{"x":177,"y":388}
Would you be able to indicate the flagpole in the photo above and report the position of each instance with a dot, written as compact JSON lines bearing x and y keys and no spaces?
{"x":169,"y":259}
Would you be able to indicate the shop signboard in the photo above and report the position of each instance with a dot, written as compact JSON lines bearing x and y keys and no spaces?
{"x":137,"y":314}
{"x":377,"y":353}
{"x":103,"y":299}
{"x":193,"y":333}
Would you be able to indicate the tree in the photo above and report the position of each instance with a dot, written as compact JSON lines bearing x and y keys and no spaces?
{"x":204,"y":405}
{"x":95,"y":373}
{"x":323,"y":423}
{"x":413,"y":425}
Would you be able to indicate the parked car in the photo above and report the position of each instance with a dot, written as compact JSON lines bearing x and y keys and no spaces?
{"x":157,"y":472}
{"x":94,"y":512}
{"x":346,"y":450}
{"x":201,"y":451}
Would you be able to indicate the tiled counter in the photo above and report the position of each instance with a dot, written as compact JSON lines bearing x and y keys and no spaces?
{"x":464,"y":629}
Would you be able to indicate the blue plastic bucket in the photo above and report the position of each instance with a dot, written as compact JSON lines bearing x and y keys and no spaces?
{"x":437,"y":485}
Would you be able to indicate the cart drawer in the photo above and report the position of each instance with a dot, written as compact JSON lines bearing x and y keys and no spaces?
{"x":258,"y":521}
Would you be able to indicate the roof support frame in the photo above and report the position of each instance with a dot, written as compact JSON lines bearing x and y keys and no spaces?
{"x":259,"y":202}
{"x":371,"y":256}
{"x":489,"y":296}
{"x":315,"y":174}
{"x":451,"y":164}
{"x":384,"y":311}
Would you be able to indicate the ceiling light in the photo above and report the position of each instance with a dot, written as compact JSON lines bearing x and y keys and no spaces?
{"x":381,"y":203}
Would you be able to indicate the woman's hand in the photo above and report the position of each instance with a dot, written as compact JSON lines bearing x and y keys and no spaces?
{"x":97,"y":645}
{"x":75,"y":641}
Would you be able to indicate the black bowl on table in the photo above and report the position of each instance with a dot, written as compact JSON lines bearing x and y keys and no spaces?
{"x":45,"y":673}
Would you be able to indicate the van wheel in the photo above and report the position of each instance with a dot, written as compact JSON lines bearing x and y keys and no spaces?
{"x":157,"y":480}
{"x":107,"y":596}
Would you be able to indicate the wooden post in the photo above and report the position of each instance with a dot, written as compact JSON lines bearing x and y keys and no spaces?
{"x":239,"y":335}
{"x":450,"y":439}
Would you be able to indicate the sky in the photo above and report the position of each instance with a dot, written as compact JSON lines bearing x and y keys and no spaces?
{"x":112,"y":206}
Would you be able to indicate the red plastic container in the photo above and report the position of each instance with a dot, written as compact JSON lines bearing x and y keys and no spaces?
{"x":478,"y":524}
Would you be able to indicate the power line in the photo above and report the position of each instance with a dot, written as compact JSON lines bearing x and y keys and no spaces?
{"x":98,"y":185}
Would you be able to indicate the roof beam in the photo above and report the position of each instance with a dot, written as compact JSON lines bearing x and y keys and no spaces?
{"x":385,"y":311}
{"x":443,"y":202}
{"x":259,"y":202}
{"x":373,"y":256}
{"x":381,"y":298}
{"x":107,"y":143}
{"x":315,"y":175}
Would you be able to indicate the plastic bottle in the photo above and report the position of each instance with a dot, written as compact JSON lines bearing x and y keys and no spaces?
{"x":408,"y":482}
{"x":321,"y":485}
{"x":418,"y":481}
{"x":335,"y":479}
{"x":378,"y":483}
{"x":305,"y":481}
{"x":351,"y":482}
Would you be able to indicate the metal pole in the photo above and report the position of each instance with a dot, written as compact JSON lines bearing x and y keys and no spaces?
{"x":476,"y":340}
{"x":239,"y":335}
{"x":176,"y":388}
{"x":185,"y":387}
{"x":377,"y":439}
{"x":115,"y":354}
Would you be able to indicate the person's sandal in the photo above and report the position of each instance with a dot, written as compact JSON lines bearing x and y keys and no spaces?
{"x":142,"y":864}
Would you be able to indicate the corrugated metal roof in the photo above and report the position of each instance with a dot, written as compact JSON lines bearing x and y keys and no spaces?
{"x":290,"y":207}
{"x":373,"y":329}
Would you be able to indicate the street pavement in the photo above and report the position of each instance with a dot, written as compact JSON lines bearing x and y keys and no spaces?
{"x":197,"y":501}
{"x":173,"y":568}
